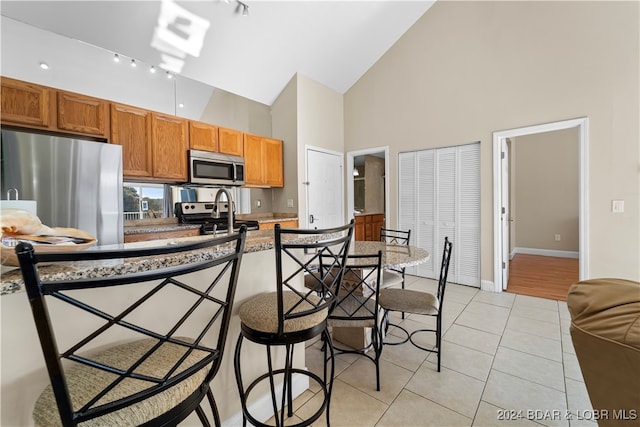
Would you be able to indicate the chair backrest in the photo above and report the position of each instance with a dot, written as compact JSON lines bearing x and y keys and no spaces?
{"x":319,"y":257}
{"x":357,"y":298}
{"x":444,"y":270}
{"x":153,"y":296}
{"x":398,"y":237}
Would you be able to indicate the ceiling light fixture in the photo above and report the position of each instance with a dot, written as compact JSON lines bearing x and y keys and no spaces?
{"x":244,"y":6}
{"x":152,"y":70}
{"x":116,"y":58}
{"x":133,"y":63}
{"x":169,"y":75}
{"x":44,"y":65}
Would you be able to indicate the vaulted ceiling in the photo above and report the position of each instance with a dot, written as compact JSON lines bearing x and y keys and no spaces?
{"x":255,"y":56}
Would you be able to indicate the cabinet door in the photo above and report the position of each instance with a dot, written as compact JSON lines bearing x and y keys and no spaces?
{"x":272,"y":158}
{"x":25,"y":103}
{"x":359,"y":227}
{"x":230,"y":141}
{"x":131,"y":128}
{"x":377,"y":222}
{"x":253,"y":171}
{"x":79,"y":113}
{"x":203,"y":136}
{"x":169,"y":135}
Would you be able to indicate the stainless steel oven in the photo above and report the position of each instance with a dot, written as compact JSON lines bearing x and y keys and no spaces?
{"x":215,"y":168}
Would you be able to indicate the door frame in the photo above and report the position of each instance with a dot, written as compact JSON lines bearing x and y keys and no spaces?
{"x":349,"y":179}
{"x":582,"y":124}
{"x":307,"y":149}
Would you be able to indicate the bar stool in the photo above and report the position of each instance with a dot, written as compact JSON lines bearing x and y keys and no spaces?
{"x":293,"y":314}
{"x":134,"y":360}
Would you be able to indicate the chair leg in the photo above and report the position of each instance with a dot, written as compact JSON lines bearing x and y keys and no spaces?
{"x":214,"y":408}
{"x":203,"y":418}
{"x":236,"y":365}
{"x":439,"y":338}
{"x":328,"y":379}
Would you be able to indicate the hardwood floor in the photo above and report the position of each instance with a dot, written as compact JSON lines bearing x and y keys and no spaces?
{"x":541,"y":276}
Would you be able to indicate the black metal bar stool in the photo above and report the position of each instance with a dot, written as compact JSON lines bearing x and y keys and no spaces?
{"x":293,"y":314}
{"x":138,"y":360}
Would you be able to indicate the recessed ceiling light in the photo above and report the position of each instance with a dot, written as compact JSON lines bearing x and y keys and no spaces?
{"x":181,"y":105}
{"x":44,"y":65}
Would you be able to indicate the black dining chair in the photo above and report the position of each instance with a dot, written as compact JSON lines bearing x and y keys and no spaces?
{"x":394,"y":276}
{"x":357,"y":306}
{"x":293,"y":314}
{"x":419,"y":302}
{"x":126,"y":356}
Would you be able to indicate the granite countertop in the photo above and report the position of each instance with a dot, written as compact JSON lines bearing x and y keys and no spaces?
{"x":258,"y":240}
{"x":158,"y":228}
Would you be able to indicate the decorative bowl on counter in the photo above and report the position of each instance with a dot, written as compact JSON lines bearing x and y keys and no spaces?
{"x":45,"y":244}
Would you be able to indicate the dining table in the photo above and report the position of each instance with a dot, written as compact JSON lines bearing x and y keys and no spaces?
{"x":394,"y":256}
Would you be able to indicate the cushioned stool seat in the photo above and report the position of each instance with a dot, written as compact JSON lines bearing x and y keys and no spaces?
{"x":261,"y":313}
{"x":85,"y":382}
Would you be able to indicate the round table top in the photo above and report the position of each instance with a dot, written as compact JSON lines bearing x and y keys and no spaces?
{"x":393,"y":255}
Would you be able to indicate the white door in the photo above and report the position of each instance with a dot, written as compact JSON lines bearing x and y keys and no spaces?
{"x":438,"y":197}
{"x":505,"y":214}
{"x":325,"y":189}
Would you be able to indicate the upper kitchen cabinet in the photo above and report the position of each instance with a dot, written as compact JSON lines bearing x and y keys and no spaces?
{"x":82,"y":114}
{"x":170,"y":145}
{"x":26,"y":104}
{"x":203,"y":136}
{"x":263,"y":161}
{"x":131,"y":128}
{"x":230,"y":141}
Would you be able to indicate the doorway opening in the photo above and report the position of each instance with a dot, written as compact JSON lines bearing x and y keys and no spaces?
{"x":368,"y":186}
{"x":501,"y":195}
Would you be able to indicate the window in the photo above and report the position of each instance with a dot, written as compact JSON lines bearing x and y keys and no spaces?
{"x":143,"y":200}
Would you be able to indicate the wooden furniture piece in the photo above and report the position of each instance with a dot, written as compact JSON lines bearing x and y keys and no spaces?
{"x":293,"y":223}
{"x":263,"y":161}
{"x":156,"y":375}
{"x":368,"y":226}
{"x":157,"y":235}
{"x":230,"y":141}
{"x":293,"y":314}
{"x":203,"y":136}
{"x":418,"y":302}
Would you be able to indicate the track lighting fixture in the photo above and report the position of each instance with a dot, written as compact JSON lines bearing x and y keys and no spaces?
{"x":133,"y":63}
{"x":242,"y":8}
{"x":116,"y":58}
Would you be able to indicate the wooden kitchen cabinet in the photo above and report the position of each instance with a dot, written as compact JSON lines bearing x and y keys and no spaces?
{"x":230,"y":141}
{"x":82,"y":114}
{"x":159,"y":235}
{"x":263,"y":161}
{"x":26,"y":104}
{"x":290,"y":223}
{"x":367,"y":227}
{"x":170,"y":145}
{"x":203,"y":136}
{"x":131,"y":128}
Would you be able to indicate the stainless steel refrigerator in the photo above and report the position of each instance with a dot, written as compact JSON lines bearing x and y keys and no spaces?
{"x":76,"y":183}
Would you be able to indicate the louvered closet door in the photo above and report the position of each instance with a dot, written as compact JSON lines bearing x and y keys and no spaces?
{"x":439,"y":196}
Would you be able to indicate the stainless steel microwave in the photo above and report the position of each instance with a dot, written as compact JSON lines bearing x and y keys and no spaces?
{"x":215,"y":168}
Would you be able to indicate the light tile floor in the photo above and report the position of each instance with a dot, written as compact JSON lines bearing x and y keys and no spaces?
{"x":507,"y":360}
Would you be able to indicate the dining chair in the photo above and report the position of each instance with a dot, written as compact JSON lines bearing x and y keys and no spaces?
{"x":419,"y":302}
{"x":357,"y":306}
{"x":293,"y":314}
{"x":116,"y":353}
{"x":394,"y":276}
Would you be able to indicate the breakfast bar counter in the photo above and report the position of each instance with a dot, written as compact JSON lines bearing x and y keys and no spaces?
{"x":22,"y":364}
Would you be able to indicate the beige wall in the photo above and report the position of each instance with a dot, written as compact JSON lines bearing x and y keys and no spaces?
{"x":545,"y":188}
{"x":373,"y":185}
{"x":467,"y":69}
{"x":319,"y":122}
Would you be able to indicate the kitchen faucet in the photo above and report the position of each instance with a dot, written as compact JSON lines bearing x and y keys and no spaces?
{"x":216,"y":208}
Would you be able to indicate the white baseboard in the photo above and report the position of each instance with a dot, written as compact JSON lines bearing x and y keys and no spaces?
{"x":545,"y":252}
{"x":262,"y":409}
{"x":488,"y":285}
